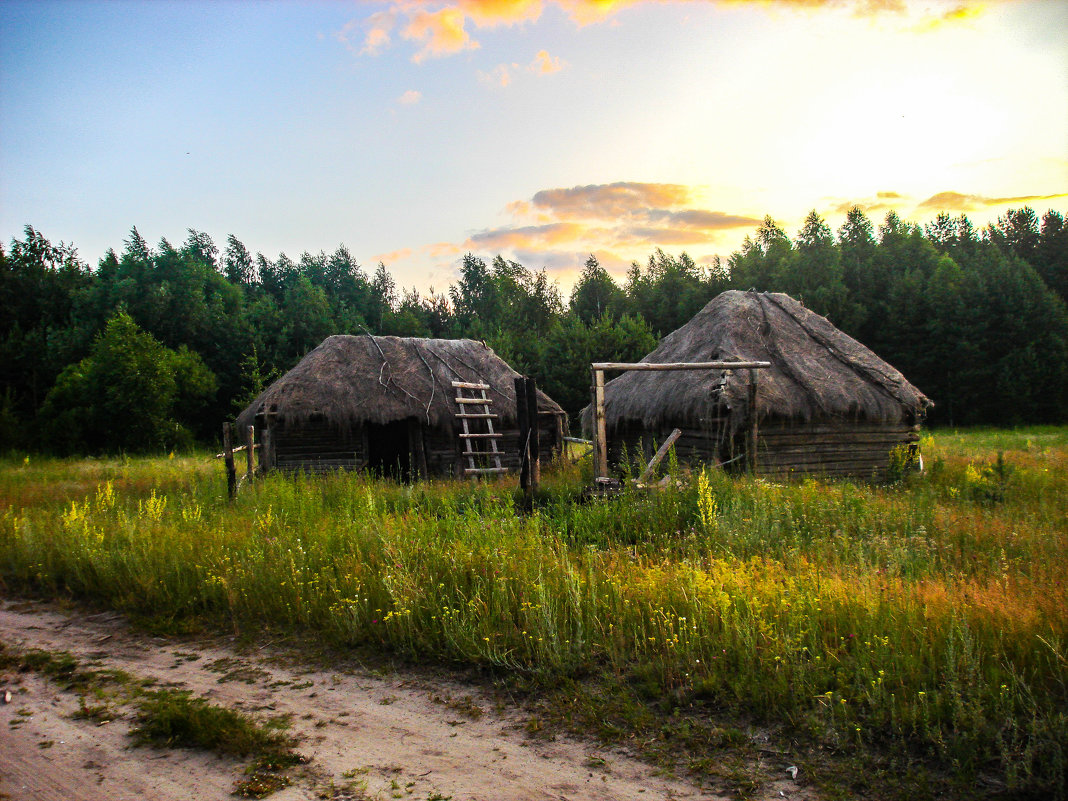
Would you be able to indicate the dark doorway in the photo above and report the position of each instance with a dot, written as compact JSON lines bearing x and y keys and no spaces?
{"x":388,"y":453}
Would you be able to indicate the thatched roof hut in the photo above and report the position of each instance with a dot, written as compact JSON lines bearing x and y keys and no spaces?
{"x":826,"y":405}
{"x":369,"y":401}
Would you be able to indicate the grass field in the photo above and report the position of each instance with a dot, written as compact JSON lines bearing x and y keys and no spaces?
{"x":910,"y":639}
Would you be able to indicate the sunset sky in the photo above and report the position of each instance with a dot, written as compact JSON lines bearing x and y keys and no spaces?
{"x":414,"y":132}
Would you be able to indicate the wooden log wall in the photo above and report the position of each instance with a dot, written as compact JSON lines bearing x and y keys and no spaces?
{"x":316,"y":447}
{"x":835,"y":450}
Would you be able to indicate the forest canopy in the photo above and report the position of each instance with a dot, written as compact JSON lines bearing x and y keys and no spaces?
{"x":156,"y":346}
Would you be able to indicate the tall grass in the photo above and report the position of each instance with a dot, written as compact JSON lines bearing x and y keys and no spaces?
{"x":926,"y":619}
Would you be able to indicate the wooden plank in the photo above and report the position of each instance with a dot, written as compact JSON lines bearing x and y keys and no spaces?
{"x":660,"y":454}
{"x":473,"y":470}
{"x":472,"y":401}
{"x":467,"y":385}
{"x":480,"y":436}
{"x":652,"y":366}
{"x":472,"y":416}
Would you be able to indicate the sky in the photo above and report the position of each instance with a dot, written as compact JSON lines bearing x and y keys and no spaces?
{"x":541,"y":130}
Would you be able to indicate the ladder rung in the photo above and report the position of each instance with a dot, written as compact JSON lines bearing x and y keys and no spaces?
{"x":471,"y":415}
{"x":482,"y":401}
{"x":481,"y":436}
{"x":471,"y":470}
{"x":465,"y":385}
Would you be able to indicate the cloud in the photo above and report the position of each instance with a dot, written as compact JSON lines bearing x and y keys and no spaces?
{"x":954,"y":16}
{"x":610,"y":200}
{"x":488,"y":13}
{"x":703,"y":220}
{"x":503,"y":74}
{"x":440,"y":28}
{"x":625,"y":217}
{"x":881,"y":201}
{"x":410,"y":97}
{"x":441,"y":33}
{"x":527,"y":237}
{"x":956,"y":201}
{"x":396,"y":255}
{"x":499,"y":77}
{"x":544,"y":64}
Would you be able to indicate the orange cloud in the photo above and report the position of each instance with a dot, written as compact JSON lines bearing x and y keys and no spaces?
{"x":959,"y":14}
{"x":440,"y":26}
{"x":881,"y":201}
{"x":544,"y":64}
{"x":499,"y":76}
{"x":625,"y":216}
{"x":956,"y":201}
{"x":502,"y":75}
{"x":531,"y":236}
{"x":611,"y":200}
{"x":396,"y":255}
{"x":441,"y":32}
{"x":699,"y":219}
{"x":410,"y":97}
{"x":488,"y":13}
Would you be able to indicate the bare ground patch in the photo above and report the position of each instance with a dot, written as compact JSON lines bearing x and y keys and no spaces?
{"x":364,"y":735}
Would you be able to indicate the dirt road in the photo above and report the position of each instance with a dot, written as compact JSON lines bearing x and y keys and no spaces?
{"x":366,"y":736}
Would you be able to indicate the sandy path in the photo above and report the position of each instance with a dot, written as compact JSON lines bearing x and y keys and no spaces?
{"x":367,"y":736}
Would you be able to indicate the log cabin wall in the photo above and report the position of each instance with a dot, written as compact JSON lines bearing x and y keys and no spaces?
{"x":784,"y":449}
{"x":316,"y":447}
{"x":848,"y":450}
{"x":693,"y":447}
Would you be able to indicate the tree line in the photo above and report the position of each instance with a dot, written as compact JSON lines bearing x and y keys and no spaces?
{"x":155,"y":346}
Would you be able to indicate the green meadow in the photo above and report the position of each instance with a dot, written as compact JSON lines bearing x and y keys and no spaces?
{"x":906,"y":640}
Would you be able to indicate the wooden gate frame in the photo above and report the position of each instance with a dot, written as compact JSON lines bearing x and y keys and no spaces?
{"x":600,"y":436}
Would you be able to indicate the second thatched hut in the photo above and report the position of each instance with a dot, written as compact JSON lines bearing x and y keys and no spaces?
{"x":389,"y":404}
{"x":827,"y":405}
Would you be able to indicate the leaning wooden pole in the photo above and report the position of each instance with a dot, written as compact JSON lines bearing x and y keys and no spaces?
{"x":228,"y":453}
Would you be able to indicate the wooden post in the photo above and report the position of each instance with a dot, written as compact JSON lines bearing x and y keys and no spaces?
{"x":535,"y":434}
{"x":600,"y":434}
{"x":751,"y":435}
{"x":250,"y":447}
{"x":522,"y":416}
{"x":228,"y":453}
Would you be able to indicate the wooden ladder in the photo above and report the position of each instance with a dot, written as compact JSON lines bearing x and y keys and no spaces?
{"x":470,"y":417}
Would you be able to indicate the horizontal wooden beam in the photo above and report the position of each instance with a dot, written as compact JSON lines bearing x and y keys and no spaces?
{"x":465,"y":385}
{"x":653,"y":366}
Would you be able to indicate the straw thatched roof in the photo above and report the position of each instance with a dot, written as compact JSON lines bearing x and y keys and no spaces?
{"x":350,"y":380}
{"x":817,"y":372}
